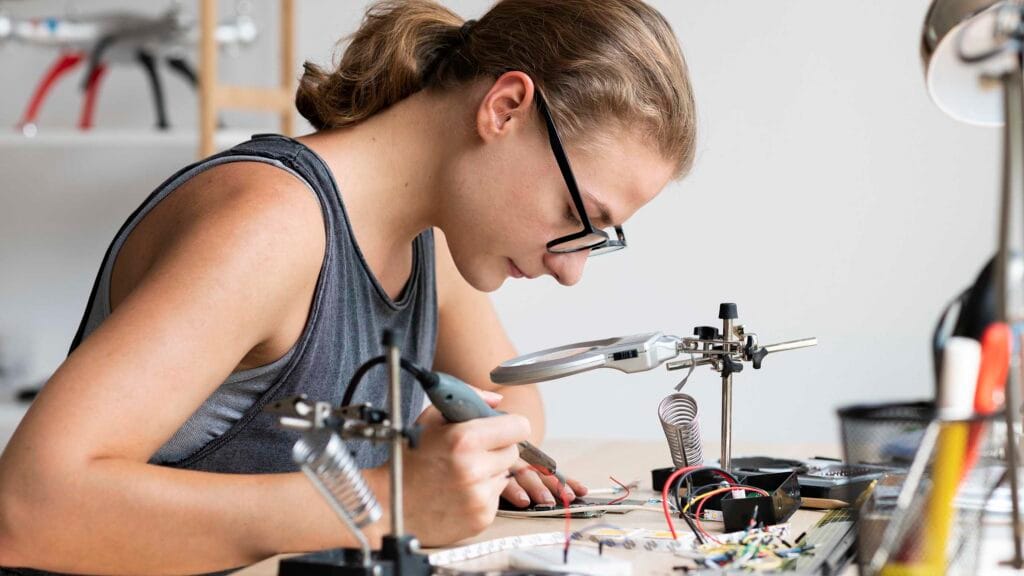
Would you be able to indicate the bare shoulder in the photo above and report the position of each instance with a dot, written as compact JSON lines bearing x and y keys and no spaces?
{"x":231,"y":265}
{"x":235,"y":211}
{"x":258,"y":192}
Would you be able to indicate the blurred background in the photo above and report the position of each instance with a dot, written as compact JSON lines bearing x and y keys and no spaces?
{"x":830,"y":198}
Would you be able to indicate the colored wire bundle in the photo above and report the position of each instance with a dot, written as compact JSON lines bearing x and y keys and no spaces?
{"x":683,"y":474}
{"x":756,"y":550}
{"x":673,"y":480}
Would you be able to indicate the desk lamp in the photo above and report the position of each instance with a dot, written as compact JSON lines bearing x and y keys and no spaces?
{"x":973,"y":56}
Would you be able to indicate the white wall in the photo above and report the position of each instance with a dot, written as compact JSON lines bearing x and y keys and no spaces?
{"x":830,"y":198}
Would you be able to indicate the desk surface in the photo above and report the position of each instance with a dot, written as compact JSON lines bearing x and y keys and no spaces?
{"x":592,"y":462}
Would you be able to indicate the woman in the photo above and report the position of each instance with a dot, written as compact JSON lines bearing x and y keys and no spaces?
{"x":270,"y":270}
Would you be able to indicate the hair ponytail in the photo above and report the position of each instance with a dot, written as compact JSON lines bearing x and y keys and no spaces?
{"x":599,"y":62}
{"x":384,"y":62}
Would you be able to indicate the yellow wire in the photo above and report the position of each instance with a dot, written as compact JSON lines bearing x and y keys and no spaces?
{"x":714,"y":493}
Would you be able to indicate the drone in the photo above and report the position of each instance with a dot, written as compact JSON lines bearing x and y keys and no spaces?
{"x":113,"y":38}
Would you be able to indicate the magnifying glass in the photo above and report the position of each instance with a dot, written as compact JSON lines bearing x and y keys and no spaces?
{"x":635,"y":353}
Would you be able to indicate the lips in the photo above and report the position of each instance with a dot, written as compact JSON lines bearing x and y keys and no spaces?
{"x":514,"y":270}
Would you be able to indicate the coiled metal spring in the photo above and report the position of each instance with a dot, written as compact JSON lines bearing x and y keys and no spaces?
{"x":323,"y":457}
{"x":678,"y":415}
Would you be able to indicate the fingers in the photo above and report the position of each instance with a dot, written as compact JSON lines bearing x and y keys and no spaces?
{"x":492,"y":398}
{"x":499,"y":461}
{"x":515,"y":494}
{"x":471,"y":468}
{"x":554,"y":484}
{"x":538,"y":491}
{"x":577,"y":487}
{"x":490,"y":433}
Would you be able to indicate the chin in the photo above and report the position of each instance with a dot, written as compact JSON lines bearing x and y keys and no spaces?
{"x":484,"y":272}
{"x":484,"y":279}
{"x":489,"y":283}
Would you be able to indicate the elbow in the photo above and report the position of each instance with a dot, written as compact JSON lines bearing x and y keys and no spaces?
{"x":10,"y":553}
{"x":26,"y":507}
{"x":9,"y":557}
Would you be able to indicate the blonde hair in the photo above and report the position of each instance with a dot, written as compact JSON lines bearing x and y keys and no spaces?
{"x":597,"y":62}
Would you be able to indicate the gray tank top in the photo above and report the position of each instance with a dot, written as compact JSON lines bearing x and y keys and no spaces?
{"x":228,"y":432}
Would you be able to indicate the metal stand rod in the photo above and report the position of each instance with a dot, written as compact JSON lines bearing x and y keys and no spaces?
{"x":395,"y":377}
{"x":1007,"y":292}
{"x":726,"y":459}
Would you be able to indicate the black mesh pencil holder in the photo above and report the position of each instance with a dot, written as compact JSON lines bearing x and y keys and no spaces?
{"x":884,"y":434}
{"x":896,"y":520}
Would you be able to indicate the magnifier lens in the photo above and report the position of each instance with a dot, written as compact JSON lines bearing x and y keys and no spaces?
{"x":555,"y":355}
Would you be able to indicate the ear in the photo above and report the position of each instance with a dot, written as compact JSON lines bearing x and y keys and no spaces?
{"x":507,"y":106}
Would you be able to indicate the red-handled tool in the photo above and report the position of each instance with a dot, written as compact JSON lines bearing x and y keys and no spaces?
{"x":996,"y":346}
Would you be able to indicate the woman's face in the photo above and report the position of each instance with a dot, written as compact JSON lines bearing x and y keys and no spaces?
{"x":511,"y":200}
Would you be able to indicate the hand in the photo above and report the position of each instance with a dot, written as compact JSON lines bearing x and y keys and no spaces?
{"x":527,"y":485}
{"x":454,"y":477}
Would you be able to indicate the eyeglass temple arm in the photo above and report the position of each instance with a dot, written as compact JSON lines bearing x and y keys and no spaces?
{"x":563,"y":160}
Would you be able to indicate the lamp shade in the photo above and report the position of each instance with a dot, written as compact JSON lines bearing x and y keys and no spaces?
{"x":959,"y":87}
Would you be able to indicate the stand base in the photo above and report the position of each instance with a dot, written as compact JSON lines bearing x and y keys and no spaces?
{"x":397,"y":557}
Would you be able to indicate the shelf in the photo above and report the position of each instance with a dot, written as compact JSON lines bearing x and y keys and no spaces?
{"x":127,"y":137}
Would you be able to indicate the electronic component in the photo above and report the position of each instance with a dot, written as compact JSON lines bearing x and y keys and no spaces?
{"x":838,"y":481}
{"x":819,"y":478}
{"x":781,"y":503}
{"x":832,"y":540}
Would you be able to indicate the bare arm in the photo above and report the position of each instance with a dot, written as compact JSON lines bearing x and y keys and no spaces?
{"x":75,"y":477}
{"x":470,"y":343}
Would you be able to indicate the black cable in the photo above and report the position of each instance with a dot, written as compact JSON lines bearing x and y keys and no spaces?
{"x":148,"y":63}
{"x":689,"y":493}
{"x":96,"y":57}
{"x":693,"y":528}
{"x":425,"y":378}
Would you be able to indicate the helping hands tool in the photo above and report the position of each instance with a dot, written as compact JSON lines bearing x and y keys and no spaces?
{"x":724,"y":351}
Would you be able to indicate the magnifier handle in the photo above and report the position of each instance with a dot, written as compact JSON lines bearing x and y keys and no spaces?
{"x":457,"y":402}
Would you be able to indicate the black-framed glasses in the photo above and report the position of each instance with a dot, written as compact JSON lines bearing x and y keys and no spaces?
{"x":594,"y":239}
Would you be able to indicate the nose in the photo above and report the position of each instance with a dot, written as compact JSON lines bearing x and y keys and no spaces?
{"x":566,"y":268}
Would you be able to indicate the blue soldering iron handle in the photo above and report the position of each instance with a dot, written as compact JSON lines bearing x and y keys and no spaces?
{"x":457,"y":402}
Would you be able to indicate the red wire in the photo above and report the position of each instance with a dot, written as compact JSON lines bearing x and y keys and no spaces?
{"x":624,"y":487}
{"x":668,"y":484}
{"x":568,"y":521}
{"x":564,"y":494}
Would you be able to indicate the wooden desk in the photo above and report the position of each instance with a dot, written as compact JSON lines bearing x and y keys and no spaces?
{"x":592,"y":462}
